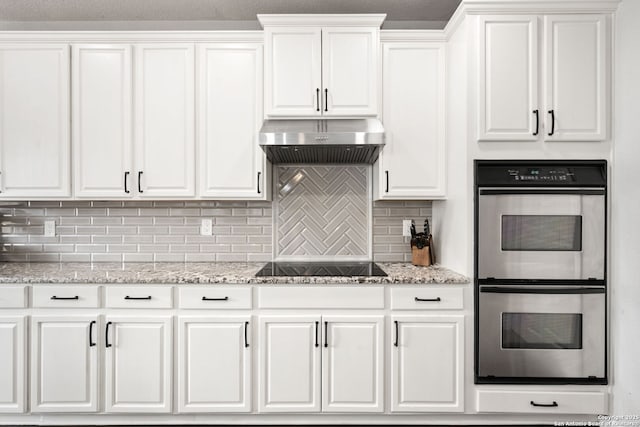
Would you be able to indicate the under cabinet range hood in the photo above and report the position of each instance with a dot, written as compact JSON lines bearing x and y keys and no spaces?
{"x":322,"y":141}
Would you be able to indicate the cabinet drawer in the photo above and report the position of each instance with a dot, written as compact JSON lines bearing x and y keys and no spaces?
{"x":321,"y":297}
{"x":214,"y":297}
{"x":528,"y":401}
{"x":82,"y":296}
{"x":13,"y":296}
{"x":426,"y":299}
{"x":139,"y":297}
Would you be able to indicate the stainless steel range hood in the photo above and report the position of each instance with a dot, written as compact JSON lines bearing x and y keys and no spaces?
{"x":322,"y":141}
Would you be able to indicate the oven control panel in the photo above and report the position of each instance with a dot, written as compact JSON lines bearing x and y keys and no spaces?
{"x":542,"y":173}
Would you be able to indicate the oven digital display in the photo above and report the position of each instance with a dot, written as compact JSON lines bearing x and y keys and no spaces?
{"x":542,"y":330}
{"x":541,"y":233}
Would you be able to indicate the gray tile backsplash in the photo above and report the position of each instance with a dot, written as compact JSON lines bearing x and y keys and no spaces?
{"x":146,"y":231}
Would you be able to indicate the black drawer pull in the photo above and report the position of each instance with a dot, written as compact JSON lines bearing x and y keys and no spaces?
{"x":545,"y":405}
{"x":215,"y":299}
{"x":326,"y":334}
{"x":396,"y":341}
{"x":553,"y":122}
{"x":106,"y":335}
{"x":437,"y":299}
{"x":386,"y":173}
{"x":138,"y":298}
{"x":91,"y":341}
{"x":317,"y":99}
{"x":140,"y":182}
{"x":317,"y":333}
{"x":536,"y":112}
{"x":126,"y":176}
{"x":65,"y":298}
{"x":259,"y":182}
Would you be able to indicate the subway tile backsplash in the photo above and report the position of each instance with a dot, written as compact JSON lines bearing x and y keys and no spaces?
{"x":169,"y":231}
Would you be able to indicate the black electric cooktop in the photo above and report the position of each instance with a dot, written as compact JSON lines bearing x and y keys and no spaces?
{"x":334,"y":269}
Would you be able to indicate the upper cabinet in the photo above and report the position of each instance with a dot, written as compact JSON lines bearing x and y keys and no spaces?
{"x":232,"y":164}
{"x":325,"y":66}
{"x":412,"y":163}
{"x":34,"y":121}
{"x":111,"y":160}
{"x":548,"y":84}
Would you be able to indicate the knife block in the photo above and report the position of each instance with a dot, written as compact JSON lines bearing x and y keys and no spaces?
{"x":420,"y":257}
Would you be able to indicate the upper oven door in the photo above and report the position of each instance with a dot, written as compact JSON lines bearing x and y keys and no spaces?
{"x":541,"y":234}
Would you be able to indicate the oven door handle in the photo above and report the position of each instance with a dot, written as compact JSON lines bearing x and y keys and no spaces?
{"x":515,"y":290}
{"x":542,"y":191}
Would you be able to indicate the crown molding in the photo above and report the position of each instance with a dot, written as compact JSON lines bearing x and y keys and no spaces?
{"x":322,"y":20}
{"x":412,"y":36}
{"x":132,"y":36}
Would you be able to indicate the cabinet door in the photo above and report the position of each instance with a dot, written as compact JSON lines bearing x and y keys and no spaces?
{"x":12,"y":364}
{"x":102,"y":121}
{"x":412,"y":163}
{"x":214,"y":364}
{"x":427,"y":359}
{"x":292,"y":71}
{"x":349,"y":71}
{"x":64,"y":364}
{"x":138,"y":364}
{"x":353,"y":364}
{"x":164,"y":120}
{"x":34,"y":121}
{"x":576,"y":77}
{"x":232,"y":164}
{"x":289,"y":364}
{"x":508,"y":107}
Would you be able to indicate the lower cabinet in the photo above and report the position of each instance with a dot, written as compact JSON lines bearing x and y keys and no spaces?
{"x":64,"y":364}
{"x":12,"y":364}
{"x":138,"y":364}
{"x":427,"y":363}
{"x":340,"y":355}
{"x":214,"y":364}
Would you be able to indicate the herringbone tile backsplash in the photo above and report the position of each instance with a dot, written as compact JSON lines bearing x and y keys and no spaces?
{"x":161,"y":231}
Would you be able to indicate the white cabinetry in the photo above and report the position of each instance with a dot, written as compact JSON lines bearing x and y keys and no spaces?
{"x":412,"y":163}
{"x":138,"y":364}
{"x":214,"y":364}
{"x":34,"y":121}
{"x":164,"y":121}
{"x":13,"y":356}
{"x":571,"y":50}
{"x":350,"y":375}
{"x":64,"y":364}
{"x":232,"y":165}
{"x":427,"y":363}
{"x":321,"y":67}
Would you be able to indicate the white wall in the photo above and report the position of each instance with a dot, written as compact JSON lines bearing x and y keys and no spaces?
{"x":625,"y":213}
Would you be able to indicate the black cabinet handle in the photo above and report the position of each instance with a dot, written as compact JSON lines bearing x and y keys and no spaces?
{"x":137,"y":298}
{"x":545,"y":405}
{"x":386,"y":173}
{"x":140,"y":182}
{"x":396,"y":341}
{"x":437,"y":299}
{"x":326,"y":99}
{"x":65,"y":298}
{"x":536,"y":112}
{"x":215,"y":299}
{"x":106,"y":335}
{"x":91,"y":341}
{"x":317,"y":333}
{"x":246,"y":342}
{"x":259,"y":182}
{"x":126,"y":181}
{"x":317,"y":99}
{"x":553,"y":122}
{"x":326,"y":334}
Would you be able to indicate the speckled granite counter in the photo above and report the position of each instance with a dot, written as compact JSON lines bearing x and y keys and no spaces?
{"x":207,"y":273}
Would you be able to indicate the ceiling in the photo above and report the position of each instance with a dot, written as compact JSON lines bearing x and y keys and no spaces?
{"x":215,"y":10}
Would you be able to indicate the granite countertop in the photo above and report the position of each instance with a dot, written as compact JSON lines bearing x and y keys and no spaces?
{"x":206,"y":273}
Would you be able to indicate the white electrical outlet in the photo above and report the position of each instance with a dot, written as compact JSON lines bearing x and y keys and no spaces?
{"x":49,"y":228}
{"x":206,"y":229}
{"x":406,"y":227}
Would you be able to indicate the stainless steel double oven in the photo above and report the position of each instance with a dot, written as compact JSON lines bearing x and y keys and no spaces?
{"x":540,"y":268}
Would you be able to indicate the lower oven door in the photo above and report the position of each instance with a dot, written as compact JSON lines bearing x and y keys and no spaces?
{"x":531,"y":334}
